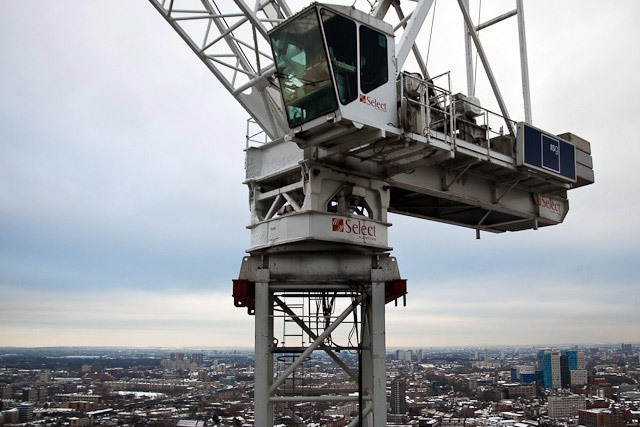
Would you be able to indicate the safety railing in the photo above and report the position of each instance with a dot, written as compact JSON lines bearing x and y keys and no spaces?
{"x":428,"y":108}
{"x":255,"y":135}
{"x":485,"y":128}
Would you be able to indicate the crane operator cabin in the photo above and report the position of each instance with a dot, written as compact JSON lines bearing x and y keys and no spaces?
{"x":334,"y":58}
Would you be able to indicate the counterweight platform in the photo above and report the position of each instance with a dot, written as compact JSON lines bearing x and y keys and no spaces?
{"x":333,"y":303}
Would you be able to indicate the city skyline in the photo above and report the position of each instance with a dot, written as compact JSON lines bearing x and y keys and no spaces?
{"x":122,"y":209}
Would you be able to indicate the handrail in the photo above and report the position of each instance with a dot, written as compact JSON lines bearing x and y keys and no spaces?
{"x":436,"y":111}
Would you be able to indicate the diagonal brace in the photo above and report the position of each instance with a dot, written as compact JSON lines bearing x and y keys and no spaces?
{"x":313,"y":336}
{"x":282,"y":378}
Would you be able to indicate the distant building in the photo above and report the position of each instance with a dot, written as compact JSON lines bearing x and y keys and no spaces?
{"x":602,"y":417}
{"x":523,"y":374}
{"x":486,"y":354}
{"x":572,"y":367}
{"x":577,"y":360}
{"x":549,"y":366}
{"x":578,"y":377}
{"x":527,"y":391}
{"x":25,"y":413}
{"x":197,"y":358}
{"x":566,"y":406}
{"x":404,"y":355}
{"x":10,"y":416}
{"x":398,"y":396}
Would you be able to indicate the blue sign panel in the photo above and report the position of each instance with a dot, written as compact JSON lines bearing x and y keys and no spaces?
{"x":545,"y":152}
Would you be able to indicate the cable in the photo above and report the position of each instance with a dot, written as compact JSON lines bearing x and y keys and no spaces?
{"x":433,"y":18}
{"x":475,"y":70}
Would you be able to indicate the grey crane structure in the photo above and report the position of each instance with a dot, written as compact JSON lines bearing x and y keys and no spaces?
{"x":350,"y":136}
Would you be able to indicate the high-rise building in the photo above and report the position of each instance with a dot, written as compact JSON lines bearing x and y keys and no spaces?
{"x":627,"y":348}
{"x":572,"y":366}
{"x":419,"y":356}
{"x":398,"y":396}
{"x":565,"y":373}
{"x":549,"y":365}
{"x":197,"y":358}
{"x":486,"y":354}
{"x":404,"y":355}
{"x":576,"y":360}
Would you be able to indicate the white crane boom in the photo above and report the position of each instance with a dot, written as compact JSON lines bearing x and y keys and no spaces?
{"x":232,"y":41}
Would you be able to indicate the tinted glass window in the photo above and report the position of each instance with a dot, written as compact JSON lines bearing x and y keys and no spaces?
{"x":340,"y":33}
{"x":303,"y":69}
{"x":373,"y":59}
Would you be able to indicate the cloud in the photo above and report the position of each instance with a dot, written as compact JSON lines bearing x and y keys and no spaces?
{"x":122,"y":208}
{"x":122,"y":318}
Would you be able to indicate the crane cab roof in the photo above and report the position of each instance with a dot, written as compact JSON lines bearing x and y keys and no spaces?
{"x":350,"y":12}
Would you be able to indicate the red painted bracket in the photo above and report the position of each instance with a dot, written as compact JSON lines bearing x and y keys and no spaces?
{"x":394,"y":290}
{"x":244,"y":295}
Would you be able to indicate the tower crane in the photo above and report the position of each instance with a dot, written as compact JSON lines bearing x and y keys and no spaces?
{"x":350,"y":136}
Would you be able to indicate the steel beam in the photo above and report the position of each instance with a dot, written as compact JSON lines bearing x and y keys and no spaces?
{"x":471,"y":89}
{"x":524,"y":62}
{"x":408,"y":38}
{"x":263,"y":374}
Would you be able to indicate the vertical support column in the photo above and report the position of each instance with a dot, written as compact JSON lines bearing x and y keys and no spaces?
{"x":366,"y":361}
{"x":378,"y":355}
{"x":263,"y":408}
{"x":524,"y":62}
{"x":374,"y":356}
{"x":471,"y":90}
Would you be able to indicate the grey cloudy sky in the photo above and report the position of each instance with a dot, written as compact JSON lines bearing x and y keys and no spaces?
{"x":122,"y":211}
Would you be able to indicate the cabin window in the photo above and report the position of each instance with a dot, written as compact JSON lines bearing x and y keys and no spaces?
{"x":340,"y":34}
{"x":303,"y":69}
{"x":373,"y":59}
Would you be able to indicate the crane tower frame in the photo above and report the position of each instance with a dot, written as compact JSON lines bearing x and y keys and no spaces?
{"x":350,"y":137}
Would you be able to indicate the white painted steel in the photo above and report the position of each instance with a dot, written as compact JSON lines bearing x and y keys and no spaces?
{"x":524,"y":62}
{"x":263,"y":370}
{"x":227,"y":46}
{"x":408,"y":38}
{"x":471,"y":90}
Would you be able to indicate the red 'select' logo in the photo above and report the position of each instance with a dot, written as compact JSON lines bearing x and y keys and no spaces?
{"x":372,"y":102}
{"x":552,"y":205}
{"x":357,"y":227}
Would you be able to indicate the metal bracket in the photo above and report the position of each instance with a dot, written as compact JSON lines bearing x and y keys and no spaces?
{"x":447,"y":184}
{"x":495,"y":198}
